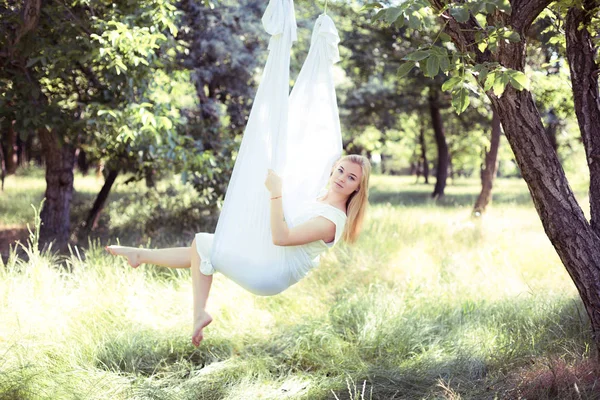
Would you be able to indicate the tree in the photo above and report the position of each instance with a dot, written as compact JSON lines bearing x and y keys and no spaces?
{"x":490,"y":39}
{"x":82,"y":76}
{"x":490,"y":168}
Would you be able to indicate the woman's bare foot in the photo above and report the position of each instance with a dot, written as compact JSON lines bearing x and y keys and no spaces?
{"x":132,"y":254}
{"x":199,"y":324}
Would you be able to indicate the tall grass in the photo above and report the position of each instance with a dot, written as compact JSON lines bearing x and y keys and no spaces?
{"x":430,"y":304}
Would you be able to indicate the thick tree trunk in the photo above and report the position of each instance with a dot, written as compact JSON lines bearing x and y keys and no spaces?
{"x":581,"y":54}
{"x":488,"y":174}
{"x":576,"y":243}
{"x":92,"y":219}
{"x":442,"y":146}
{"x":60,"y":161}
{"x":424,"y":160}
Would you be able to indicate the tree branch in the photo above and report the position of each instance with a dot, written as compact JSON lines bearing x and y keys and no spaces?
{"x":524,"y":12}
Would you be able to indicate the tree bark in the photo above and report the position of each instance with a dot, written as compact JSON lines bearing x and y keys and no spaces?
{"x":424,"y":154}
{"x":60,"y":161}
{"x":576,"y":243}
{"x":581,"y":54}
{"x":488,"y":174}
{"x":92,"y":219}
{"x":442,"y":146}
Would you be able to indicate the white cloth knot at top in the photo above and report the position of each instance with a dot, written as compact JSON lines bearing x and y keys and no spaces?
{"x":326,"y":31}
{"x":280,"y":16}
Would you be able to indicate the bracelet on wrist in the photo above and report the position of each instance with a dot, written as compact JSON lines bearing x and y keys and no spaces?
{"x":277,"y":197}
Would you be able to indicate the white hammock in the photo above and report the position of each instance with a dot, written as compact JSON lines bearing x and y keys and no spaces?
{"x":300,"y":145}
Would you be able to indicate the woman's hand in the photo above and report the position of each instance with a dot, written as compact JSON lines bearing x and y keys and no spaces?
{"x":273,"y":183}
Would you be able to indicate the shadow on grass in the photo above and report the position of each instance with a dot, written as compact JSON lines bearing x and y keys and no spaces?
{"x":417,"y":198}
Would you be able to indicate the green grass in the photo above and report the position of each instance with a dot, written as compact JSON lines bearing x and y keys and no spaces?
{"x":429,"y":304}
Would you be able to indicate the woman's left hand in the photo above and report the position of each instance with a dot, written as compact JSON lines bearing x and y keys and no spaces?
{"x":273,"y":183}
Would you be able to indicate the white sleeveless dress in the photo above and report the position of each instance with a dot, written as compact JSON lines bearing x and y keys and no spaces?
{"x":267,"y":280}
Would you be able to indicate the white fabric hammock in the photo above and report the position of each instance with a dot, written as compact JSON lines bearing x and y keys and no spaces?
{"x":299,"y":137}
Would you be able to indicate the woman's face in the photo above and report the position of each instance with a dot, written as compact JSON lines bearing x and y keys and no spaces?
{"x":345,"y":178}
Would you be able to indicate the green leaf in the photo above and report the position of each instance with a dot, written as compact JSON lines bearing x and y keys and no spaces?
{"x":414,"y":21}
{"x":489,"y":81}
{"x":370,"y":6}
{"x":518,"y":80}
{"x":483,"y":75}
{"x":444,"y":37}
{"x":405,"y":69}
{"x":482,"y":46}
{"x":500,"y":84}
{"x":451,"y":83}
{"x":433,"y":66}
{"x":418,"y":55}
{"x":490,"y":8}
{"x":460,"y":100}
{"x":378,"y":15}
{"x":392,"y":14}
{"x":512,"y":36}
{"x":460,"y":13}
{"x":444,"y":63}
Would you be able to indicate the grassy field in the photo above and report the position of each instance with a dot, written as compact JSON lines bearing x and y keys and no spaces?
{"x":430,"y":304}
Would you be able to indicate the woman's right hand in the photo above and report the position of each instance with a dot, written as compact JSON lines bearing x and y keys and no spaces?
{"x":273,"y":183}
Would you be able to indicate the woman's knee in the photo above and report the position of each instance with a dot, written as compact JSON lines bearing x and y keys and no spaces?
{"x":194,"y":250}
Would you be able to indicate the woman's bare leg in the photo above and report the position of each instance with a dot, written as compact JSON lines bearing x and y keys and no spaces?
{"x":201,"y":287}
{"x":174,"y":257}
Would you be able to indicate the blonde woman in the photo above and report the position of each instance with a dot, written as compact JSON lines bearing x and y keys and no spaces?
{"x":338,"y":215}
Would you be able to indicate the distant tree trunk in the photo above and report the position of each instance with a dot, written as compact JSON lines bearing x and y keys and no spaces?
{"x":424,"y":154}
{"x":10,"y":144}
{"x":82,"y":161}
{"x":60,"y":161}
{"x":2,"y":166}
{"x":488,"y":173}
{"x":552,"y":128}
{"x":442,"y":146}
{"x":92,"y":219}
{"x":20,"y":151}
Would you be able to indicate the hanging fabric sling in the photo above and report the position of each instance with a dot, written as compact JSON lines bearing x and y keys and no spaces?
{"x":298,"y":136}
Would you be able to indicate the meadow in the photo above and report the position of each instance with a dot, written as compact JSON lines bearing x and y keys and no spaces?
{"x":431,"y":303}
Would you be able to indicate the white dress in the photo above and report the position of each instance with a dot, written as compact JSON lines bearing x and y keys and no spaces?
{"x":267,"y":280}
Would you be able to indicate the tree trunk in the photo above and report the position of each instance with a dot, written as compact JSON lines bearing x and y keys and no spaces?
{"x":92,"y":219}
{"x":551,"y":129}
{"x":581,"y":54}
{"x":424,"y":154}
{"x":575,"y":241}
{"x":2,"y":166}
{"x":488,"y":174}
{"x":82,"y":161}
{"x":60,"y":161}
{"x":442,"y":146}
{"x":10,"y":145}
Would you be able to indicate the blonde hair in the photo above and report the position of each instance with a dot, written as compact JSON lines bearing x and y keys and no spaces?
{"x":357,"y":202}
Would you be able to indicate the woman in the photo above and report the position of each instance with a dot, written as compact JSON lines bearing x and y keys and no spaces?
{"x":347,"y":194}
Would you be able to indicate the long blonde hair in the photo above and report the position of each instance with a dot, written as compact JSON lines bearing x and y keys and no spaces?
{"x":357,"y":202}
